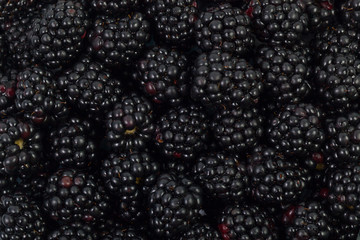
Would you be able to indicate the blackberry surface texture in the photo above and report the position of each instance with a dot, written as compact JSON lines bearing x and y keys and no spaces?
{"x":321,"y":14}
{"x":73,"y":231}
{"x":201,"y":231}
{"x":175,"y":204}
{"x":10,"y":9}
{"x":130,"y":124}
{"x":7,"y":92}
{"x":350,"y":13}
{"x":182,"y":132}
{"x":122,"y":233}
{"x":112,"y":7}
{"x":164,"y":75}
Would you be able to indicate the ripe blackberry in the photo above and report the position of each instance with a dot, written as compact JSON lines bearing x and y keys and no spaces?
{"x":164,"y":76}
{"x":350,"y":13}
{"x":10,"y":9}
{"x":321,"y":14}
{"x":130,"y":124}
{"x":7,"y":92}
{"x":237,"y":130}
{"x":285,"y":71}
{"x":73,"y":196}
{"x":38,"y":98}
{"x":222,"y":79}
{"x":174,"y":20}
{"x":274,"y":179}
{"x":118,"y":41}
{"x":246,"y":222}
{"x":222,"y":176}
{"x":308,"y":221}
{"x":337,"y":79}
{"x":225,"y":28}
{"x":297,"y":130}
{"x":71,"y":144}
{"x":57,"y":37}
{"x":90,"y":88}
{"x":182,"y":132}
{"x":279,"y":22}
{"x":122,"y":233}
{"x":73,"y":231}
{"x":20,"y":218}
{"x":20,"y":148}
{"x":201,"y":231}
{"x":344,"y":231}
{"x":111,"y":7}
{"x":129,"y":177}
{"x":175,"y":204}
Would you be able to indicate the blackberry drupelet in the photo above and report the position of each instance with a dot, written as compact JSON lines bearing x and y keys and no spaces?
{"x":174,"y":20}
{"x":73,"y":231}
{"x":222,"y":176}
{"x":297,"y":130}
{"x":274,"y":179}
{"x":321,"y":14}
{"x":220,"y":79}
{"x":114,"y":7}
{"x":71,"y":144}
{"x":130,"y":124}
{"x":237,"y":130}
{"x":123,"y":233}
{"x":279,"y":22}
{"x":175,"y":204}
{"x":164,"y":75}
{"x":7,"y":92}
{"x":182,"y":132}
{"x":201,"y":231}
{"x":38,"y":98}
{"x":350,"y":13}
{"x":74,"y":196}
{"x":90,"y":88}
{"x":285,"y":71}
{"x":20,"y":218}
{"x":129,"y":178}
{"x":57,"y":37}
{"x":118,"y":41}
{"x":225,"y":28}
{"x":246,"y":222}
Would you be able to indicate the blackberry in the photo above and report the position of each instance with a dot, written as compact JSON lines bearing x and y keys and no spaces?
{"x":182,"y":132}
{"x":279,"y":22}
{"x":71,"y":144}
{"x":117,"y":41}
{"x":122,"y":233}
{"x":129,"y":178}
{"x":201,"y":231}
{"x":321,"y":14}
{"x":4,"y":52}
{"x":308,"y":221}
{"x":175,"y":204}
{"x":274,"y":179}
{"x":285,"y":71}
{"x":73,"y":196}
{"x":112,"y":7}
{"x":225,"y":28}
{"x":20,"y":148}
{"x":297,"y":130}
{"x":174,"y":20}
{"x":90,"y":88}
{"x":337,"y":79}
{"x":164,"y":76}
{"x":222,"y":176}
{"x":20,"y":218}
{"x":246,"y":222}
{"x":222,"y":79}
{"x":130,"y":124}
{"x":237,"y":130}
{"x":350,"y":13}
{"x":7,"y":92}
{"x":73,"y":231}
{"x":344,"y":231}
{"x":57,"y":37}
{"x":10,"y":9}
{"x":38,"y":98}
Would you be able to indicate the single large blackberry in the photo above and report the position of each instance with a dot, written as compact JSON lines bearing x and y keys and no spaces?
{"x":20,"y":219}
{"x":7,"y":92}
{"x":247,"y":222}
{"x":20,"y":148}
{"x":221,"y":79}
{"x":237,"y":130}
{"x":226,"y":28}
{"x":175,"y":204}
{"x":71,"y":144}
{"x":274,"y":179}
{"x":164,"y":75}
{"x":338,"y":81}
{"x":182,"y":132}
{"x":321,"y":14}
{"x":350,"y":12}
{"x":117,"y":41}
{"x":222,"y":176}
{"x":285,"y":71}
{"x":297,"y":130}
{"x":57,"y":37}
{"x":130,"y":124}
{"x":73,"y":231}
{"x":73,"y":196}
{"x":129,"y":178}
{"x":201,"y":231}
{"x":38,"y":98}
{"x":90,"y":88}
{"x":114,"y":7}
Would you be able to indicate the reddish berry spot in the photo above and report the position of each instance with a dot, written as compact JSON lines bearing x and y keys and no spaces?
{"x":156,"y":100}
{"x":150,"y":88}
{"x":177,"y":155}
{"x":66,"y":182}
{"x":289,"y":215}
{"x":159,"y":138}
{"x":249,"y":12}
{"x":195,"y":4}
{"x":224,"y":231}
{"x":88,"y":218}
{"x":2,"y":88}
{"x":327,"y":5}
{"x":324,"y":192}
{"x":318,"y":157}
{"x":25,"y":131}
{"x":10,"y":92}
{"x":84,"y":35}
